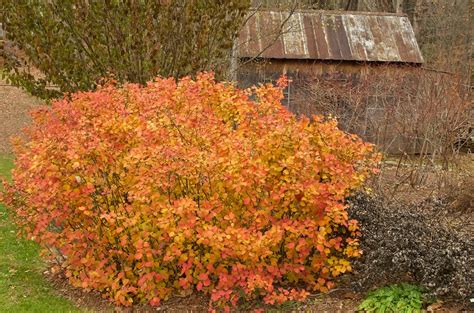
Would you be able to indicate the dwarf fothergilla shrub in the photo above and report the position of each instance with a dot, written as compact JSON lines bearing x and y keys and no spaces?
{"x":172,"y":187}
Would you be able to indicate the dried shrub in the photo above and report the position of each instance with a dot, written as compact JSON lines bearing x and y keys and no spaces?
{"x":145,"y":192}
{"x":421,"y":243}
{"x":418,"y":117}
{"x":402,"y":110}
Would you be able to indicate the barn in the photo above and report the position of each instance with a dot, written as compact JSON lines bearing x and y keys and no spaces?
{"x":334,"y":59}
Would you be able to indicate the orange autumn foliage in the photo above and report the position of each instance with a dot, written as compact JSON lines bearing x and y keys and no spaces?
{"x":146,"y":192}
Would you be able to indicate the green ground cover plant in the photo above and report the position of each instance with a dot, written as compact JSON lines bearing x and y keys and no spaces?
{"x":402,"y":298}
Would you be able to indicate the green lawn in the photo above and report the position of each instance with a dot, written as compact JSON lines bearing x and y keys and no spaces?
{"x":22,"y":286}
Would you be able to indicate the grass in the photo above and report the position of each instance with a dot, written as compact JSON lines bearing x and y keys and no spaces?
{"x":22,"y":285}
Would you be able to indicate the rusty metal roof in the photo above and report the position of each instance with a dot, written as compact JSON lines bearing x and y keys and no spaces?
{"x":329,"y":35}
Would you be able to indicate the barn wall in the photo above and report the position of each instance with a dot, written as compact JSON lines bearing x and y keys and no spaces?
{"x":348,"y":90}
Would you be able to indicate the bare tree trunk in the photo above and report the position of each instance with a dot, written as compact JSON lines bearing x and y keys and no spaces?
{"x":234,"y":63}
{"x":412,"y":8}
{"x":376,"y":5}
{"x":398,"y":4}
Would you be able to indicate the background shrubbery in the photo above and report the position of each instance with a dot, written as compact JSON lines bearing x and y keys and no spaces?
{"x":145,"y":192}
{"x":74,"y":44}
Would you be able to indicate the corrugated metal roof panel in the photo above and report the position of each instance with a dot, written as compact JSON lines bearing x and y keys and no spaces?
{"x":326,"y":35}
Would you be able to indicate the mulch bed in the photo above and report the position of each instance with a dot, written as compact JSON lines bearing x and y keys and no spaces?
{"x":339,"y":300}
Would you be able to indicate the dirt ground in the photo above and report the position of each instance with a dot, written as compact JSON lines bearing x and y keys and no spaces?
{"x":15,"y":106}
{"x":414,"y":179}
